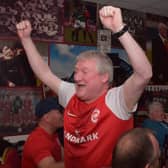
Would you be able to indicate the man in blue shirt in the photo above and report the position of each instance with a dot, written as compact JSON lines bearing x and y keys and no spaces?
{"x":155,"y":122}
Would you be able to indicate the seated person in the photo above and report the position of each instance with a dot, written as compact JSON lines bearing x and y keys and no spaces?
{"x":42,"y":149}
{"x":137,"y":148}
{"x":155,"y":121}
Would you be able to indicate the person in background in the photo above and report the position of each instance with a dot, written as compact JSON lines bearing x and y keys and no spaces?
{"x":94,"y":112}
{"x":155,"y":121}
{"x":160,"y":55}
{"x":42,"y":149}
{"x":137,"y":148}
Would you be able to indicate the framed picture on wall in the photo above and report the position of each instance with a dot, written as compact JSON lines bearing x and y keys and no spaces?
{"x":80,"y":22}
{"x":15,"y":70}
{"x":46,"y":18}
{"x":17,"y":109}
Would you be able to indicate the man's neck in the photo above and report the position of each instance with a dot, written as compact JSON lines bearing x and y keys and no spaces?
{"x":47,"y":128}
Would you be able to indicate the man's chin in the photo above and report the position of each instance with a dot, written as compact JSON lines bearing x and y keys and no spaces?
{"x":80,"y":95}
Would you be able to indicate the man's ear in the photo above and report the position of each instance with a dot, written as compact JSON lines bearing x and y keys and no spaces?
{"x":105,"y":77}
{"x":45,"y":116}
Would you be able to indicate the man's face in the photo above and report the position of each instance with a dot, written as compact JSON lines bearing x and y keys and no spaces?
{"x":156,"y":113}
{"x":55,"y":118}
{"x":89,"y":82}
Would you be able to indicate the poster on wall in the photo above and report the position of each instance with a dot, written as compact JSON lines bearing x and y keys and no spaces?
{"x":46,"y":18}
{"x":157,"y":47}
{"x":80,"y":22}
{"x":17,"y":109}
{"x":63,"y":56}
{"x":104,"y":40}
{"x":14,"y":67}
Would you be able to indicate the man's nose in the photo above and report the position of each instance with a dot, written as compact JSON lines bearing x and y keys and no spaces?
{"x":78,"y":76}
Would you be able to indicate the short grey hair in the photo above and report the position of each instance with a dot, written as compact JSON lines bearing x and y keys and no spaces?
{"x":104,"y":63}
{"x":155,"y":103}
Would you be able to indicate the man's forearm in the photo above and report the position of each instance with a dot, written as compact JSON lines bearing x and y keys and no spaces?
{"x":136,"y":55}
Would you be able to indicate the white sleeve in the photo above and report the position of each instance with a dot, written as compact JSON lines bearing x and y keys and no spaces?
{"x":65,"y":92}
{"x":115,"y":101}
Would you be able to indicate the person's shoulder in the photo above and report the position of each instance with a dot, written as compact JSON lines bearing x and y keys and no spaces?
{"x":114,"y":90}
{"x":36,"y":134}
{"x":151,"y":123}
{"x":147,"y":121}
{"x":67,"y":84}
{"x":37,"y":139}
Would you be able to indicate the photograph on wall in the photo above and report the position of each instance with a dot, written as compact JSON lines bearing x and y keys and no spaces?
{"x":17,"y":109}
{"x":46,"y":18}
{"x":62,"y":60}
{"x":157,"y":47}
{"x":80,"y":22}
{"x":14,"y":67}
{"x":104,"y":40}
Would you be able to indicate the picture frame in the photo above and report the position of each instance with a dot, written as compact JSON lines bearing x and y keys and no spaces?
{"x":15,"y":70}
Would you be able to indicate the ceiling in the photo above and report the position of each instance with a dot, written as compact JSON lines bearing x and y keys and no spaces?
{"x":158,"y":7}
